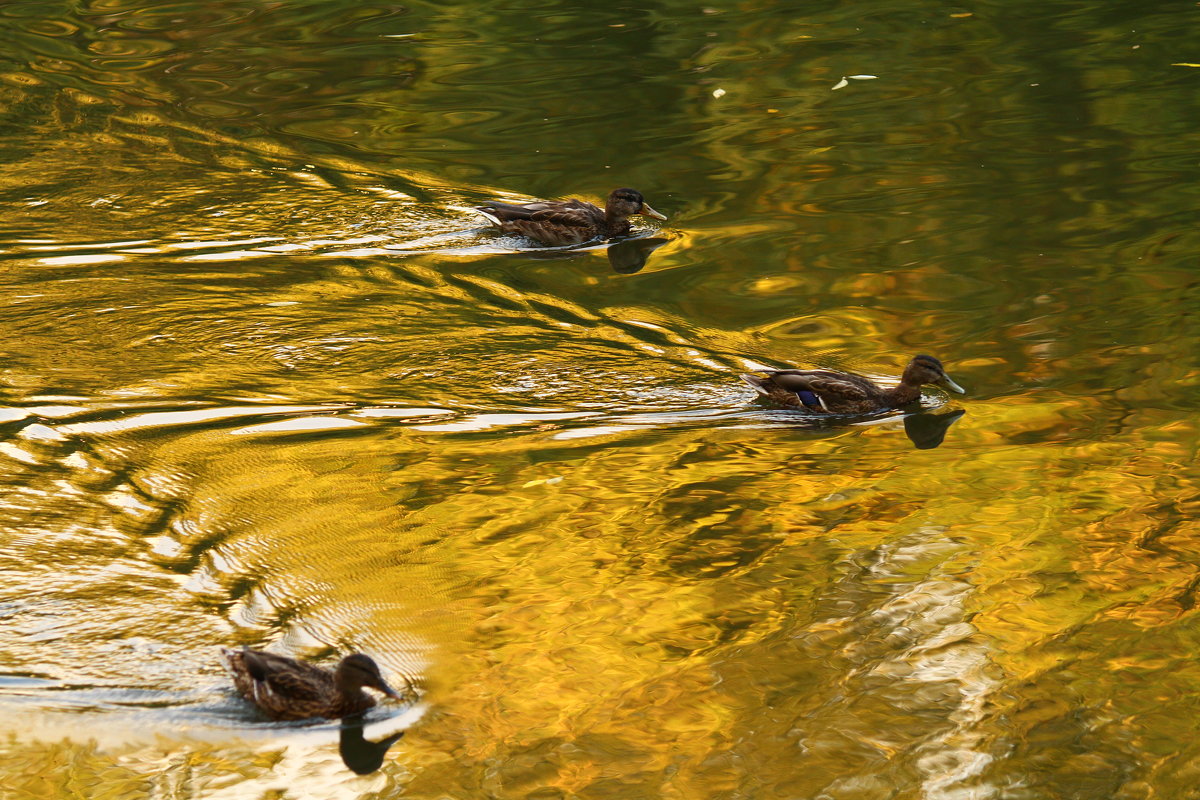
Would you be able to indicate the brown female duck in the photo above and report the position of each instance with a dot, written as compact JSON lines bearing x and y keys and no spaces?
{"x":841,"y":393}
{"x":566,"y":222}
{"x":285,"y":688}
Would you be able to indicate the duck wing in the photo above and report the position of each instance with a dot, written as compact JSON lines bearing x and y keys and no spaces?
{"x":574,"y":213}
{"x":549,"y":233}
{"x":827,"y":384}
{"x":293,"y":687}
{"x":286,"y":677}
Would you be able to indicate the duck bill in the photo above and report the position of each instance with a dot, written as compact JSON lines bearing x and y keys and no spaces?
{"x":650,"y":212}
{"x":389,"y":691}
{"x":951,"y":385}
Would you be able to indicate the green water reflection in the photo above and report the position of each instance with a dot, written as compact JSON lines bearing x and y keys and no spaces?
{"x":267,"y":380}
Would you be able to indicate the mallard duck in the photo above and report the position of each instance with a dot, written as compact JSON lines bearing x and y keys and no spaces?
{"x":842,"y":393}
{"x":285,"y":688}
{"x":566,"y":222}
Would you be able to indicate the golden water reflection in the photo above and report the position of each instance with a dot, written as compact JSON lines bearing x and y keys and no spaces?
{"x":265,"y":380}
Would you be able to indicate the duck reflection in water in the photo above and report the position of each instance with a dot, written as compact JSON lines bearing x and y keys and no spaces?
{"x":288,"y":689}
{"x":927,"y":430}
{"x":361,"y":755}
{"x":630,"y":255}
{"x":567,"y":222}
{"x":626,"y":256}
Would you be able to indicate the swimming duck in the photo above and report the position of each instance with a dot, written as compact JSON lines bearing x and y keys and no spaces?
{"x":842,"y":393}
{"x":566,"y":222}
{"x":285,"y":688}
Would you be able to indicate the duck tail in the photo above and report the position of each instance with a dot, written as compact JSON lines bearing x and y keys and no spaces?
{"x":488,"y":212}
{"x":232,"y":660}
{"x":759,"y":384}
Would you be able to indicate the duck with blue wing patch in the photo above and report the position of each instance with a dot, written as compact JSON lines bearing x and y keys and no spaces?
{"x":827,"y":392}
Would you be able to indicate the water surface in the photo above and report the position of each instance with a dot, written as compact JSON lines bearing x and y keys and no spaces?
{"x":267,"y":380}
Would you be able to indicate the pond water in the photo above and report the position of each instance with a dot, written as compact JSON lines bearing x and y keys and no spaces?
{"x":266,"y":379}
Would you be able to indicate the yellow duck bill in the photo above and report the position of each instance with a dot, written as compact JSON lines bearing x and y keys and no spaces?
{"x":951,"y":385}
{"x":647,"y":211}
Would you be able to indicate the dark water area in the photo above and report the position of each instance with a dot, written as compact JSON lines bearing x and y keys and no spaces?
{"x":267,"y":379}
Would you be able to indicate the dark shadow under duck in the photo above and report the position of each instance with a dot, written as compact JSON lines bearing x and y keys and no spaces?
{"x":927,"y":430}
{"x":361,"y":755}
{"x":287,"y":689}
{"x":566,"y":222}
{"x":825,"y":392}
{"x":629,"y":256}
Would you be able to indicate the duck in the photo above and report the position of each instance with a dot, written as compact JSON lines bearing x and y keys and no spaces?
{"x":289,"y":689}
{"x":565,"y":222}
{"x":826,"y":392}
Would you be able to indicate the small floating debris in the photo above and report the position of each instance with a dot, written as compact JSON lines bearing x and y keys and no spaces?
{"x":542,"y":481}
{"x":845,"y":81}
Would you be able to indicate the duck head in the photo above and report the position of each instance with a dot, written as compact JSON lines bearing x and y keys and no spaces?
{"x":624,"y":203}
{"x":928,"y":370}
{"x":357,"y":670}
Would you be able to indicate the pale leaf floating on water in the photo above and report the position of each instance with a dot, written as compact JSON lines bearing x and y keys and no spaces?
{"x":718,"y":93}
{"x":542,"y":481}
{"x":840,"y":84}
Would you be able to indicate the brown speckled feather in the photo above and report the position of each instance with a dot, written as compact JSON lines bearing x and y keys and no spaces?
{"x":568,"y":212}
{"x":558,"y":224}
{"x":288,"y":689}
{"x":549,"y":233}
{"x":834,"y":393}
